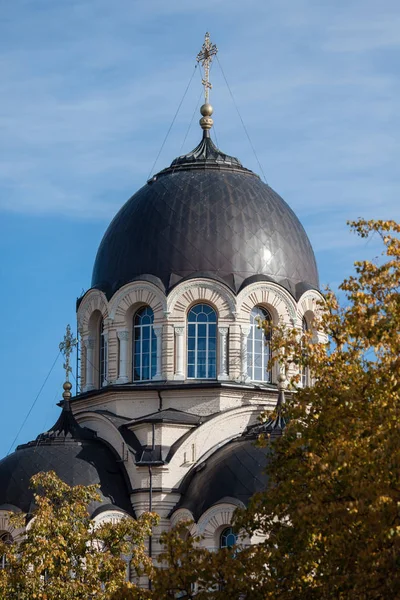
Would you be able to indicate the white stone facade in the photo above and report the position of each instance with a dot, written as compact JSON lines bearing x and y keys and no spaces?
{"x":228,"y":404}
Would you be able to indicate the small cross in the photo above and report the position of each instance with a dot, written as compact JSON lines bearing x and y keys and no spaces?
{"x":205,"y":56}
{"x":66,"y":347}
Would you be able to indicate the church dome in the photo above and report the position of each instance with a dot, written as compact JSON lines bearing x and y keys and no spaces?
{"x":76,"y":456}
{"x":235,"y":471}
{"x":205,"y":216}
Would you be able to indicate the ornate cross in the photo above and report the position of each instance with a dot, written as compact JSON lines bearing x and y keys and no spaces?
{"x":205,"y":56}
{"x":66,"y":347}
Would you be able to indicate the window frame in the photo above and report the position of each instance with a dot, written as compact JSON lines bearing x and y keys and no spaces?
{"x":208,"y":337}
{"x":265,"y":349}
{"x":103,"y":355}
{"x":226,"y":532}
{"x":152,"y":339}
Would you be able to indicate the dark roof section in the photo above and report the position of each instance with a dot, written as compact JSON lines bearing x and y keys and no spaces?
{"x":235,"y":470}
{"x":66,"y":428}
{"x":273,"y":427}
{"x":206,"y":154}
{"x":177,"y":385}
{"x":205,"y":214}
{"x":77,"y":457}
{"x":169,"y":415}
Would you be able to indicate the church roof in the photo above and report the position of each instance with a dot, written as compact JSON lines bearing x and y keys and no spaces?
{"x":77,"y":457}
{"x":205,"y":215}
{"x":236,"y":471}
{"x":169,"y":415}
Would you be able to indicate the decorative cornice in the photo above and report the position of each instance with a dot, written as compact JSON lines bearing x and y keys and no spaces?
{"x":274,"y":288}
{"x":194,"y":284}
{"x":134,"y":287}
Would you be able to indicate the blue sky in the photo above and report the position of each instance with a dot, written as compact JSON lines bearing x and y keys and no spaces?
{"x":88,"y":90}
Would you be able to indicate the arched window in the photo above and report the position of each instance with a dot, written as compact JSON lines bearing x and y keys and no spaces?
{"x":6,"y":538}
{"x":144,"y":345}
{"x":304,"y":371}
{"x":103,"y":355}
{"x":202,"y":342}
{"x":258,"y":347}
{"x":227,"y":538}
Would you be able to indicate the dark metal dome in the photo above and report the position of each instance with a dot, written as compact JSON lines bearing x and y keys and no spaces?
{"x":76,"y":456}
{"x":235,"y":471}
{"x":208,"y":215}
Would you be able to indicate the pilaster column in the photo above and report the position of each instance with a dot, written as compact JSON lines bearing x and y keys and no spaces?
{"x":223,"y":353}
{"x":90,"y":344}
{"x":123,"y":337}
{"x":158,"y":333}
{"x":105,"y":374}
{"x":244,"y":334}
{"x":179,"y":371}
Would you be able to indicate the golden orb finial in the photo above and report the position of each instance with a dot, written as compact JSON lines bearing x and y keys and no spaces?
{"x":67,"y":385}
{"x":206,"y":121}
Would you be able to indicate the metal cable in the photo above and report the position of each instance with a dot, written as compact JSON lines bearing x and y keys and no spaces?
{"x":241,"y":120}
{"x":173,"y":121}
{"x":191,"y":120}
{"x":33,"y":403}
{"x":97,"y":370}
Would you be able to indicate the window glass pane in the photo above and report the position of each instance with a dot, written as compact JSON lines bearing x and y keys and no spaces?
{"x":192,"y":316}
{"x":258,"y":374}
{"x":212,"y":368}
{"x":191,"y":372}
{"x":145,"y":345}
{"x":257,"y":346}
{"x":201,"y":330}
{"x":258,"y":333}
{"x":202,"y":318}
{"x":258,"y":360}
{"x":212,"y":330}
{"x":191,"y":330}
{"x":249,"y":343}
{"x":228,"y":538}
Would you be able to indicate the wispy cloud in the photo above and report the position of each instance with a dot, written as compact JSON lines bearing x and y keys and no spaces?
{"x":89,"y":90}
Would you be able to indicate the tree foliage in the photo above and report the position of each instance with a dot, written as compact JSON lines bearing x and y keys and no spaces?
{"x":63,"y":556}
{"x":331,"y":515}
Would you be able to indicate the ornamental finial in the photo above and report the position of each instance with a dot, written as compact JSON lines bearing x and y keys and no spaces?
{"x":205,"y":56}
{"x":66,"y":348}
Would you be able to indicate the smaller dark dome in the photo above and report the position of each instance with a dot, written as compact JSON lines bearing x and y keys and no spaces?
{"x":76,"y":463}
{"x":236,"y":470}
{"x":76,"y":456}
